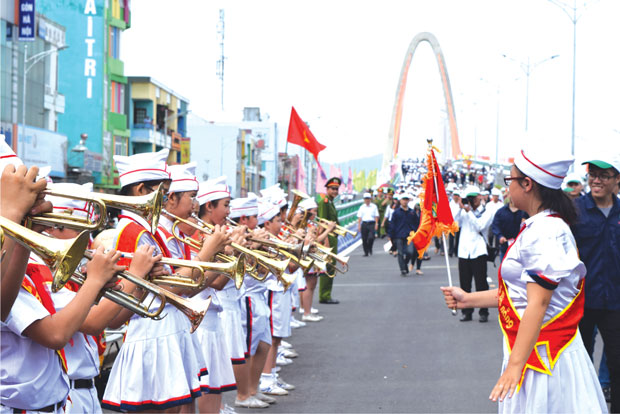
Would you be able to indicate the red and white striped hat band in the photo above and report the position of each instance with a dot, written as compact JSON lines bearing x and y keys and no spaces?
{"x":7,"y":156}
{"x":546,"y":168}
{"x":138,"y":168}
{"x":62,"y":204}
{"x":183,"y":178}
{"x":247,"y":206}
{"x":211,"y":190}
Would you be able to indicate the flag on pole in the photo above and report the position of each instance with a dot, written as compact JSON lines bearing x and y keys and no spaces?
{"x":321,"y":179}
{"x":301,"y":175}
{"x":299,"y":134}
{"x":350,"y":182}
{"x":436,"y":218}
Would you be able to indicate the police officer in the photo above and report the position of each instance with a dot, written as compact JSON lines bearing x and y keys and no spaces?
{"x":327,"y":210}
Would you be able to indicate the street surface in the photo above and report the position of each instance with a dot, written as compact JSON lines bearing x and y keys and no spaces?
{"x":391,"y":346}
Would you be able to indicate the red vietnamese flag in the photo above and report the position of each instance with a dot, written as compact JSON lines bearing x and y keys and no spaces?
{"x":436,"y":217}
{"x":299,"y":134}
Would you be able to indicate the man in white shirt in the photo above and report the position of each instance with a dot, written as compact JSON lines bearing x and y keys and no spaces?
{"x":453,"y":240}
{"x":368,"y":223}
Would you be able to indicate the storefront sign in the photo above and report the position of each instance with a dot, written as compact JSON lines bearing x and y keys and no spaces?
{"x":41,"y":147}
{"x":26,"y":20}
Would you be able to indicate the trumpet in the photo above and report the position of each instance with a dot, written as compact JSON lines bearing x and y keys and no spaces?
{"x":147,"y":206}
{"x":338,"y":230}
{"x":277,"y":267}
{"x":61,"y":256}
{"x":326,"y":254}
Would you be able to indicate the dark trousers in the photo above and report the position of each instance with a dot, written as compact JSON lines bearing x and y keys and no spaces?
{"x":453,"y":242}
{"x":406,"y":254}
{"x":368,"y":236}
{"x":608,"y":324}
{"x":476,"y":269}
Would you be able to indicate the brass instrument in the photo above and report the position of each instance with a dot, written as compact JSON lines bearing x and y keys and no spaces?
{"x":286,"y":279}
{"x":326,"y":254}
{"x":298,"y":196}
{"x":61,"y":256}
{"x":338,"y":230}
{"x":147,"y":206}
{"x":277,"y":267}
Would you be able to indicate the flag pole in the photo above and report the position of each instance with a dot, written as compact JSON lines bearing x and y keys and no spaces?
{"x":443,"y":235}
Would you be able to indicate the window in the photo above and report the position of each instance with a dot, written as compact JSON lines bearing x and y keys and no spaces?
{"x":114,"y":42}
{"x":139,"y":114}
{"x":157,"y":92}
{"x":117,"y":97}
{"x":120,"y":145}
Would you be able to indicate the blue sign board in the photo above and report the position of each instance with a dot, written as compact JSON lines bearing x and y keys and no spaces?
{"x":26,"y":20}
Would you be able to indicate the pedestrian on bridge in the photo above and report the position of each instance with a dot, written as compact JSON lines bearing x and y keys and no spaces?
{"x":404,"y":221}
{"x":367,"y":223}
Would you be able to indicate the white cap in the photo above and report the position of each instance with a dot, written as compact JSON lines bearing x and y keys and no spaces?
{"x":573,"y":178}
{"x":407,"y":195}
{"x":308,"y":204}
{"x":7,"y":156}
{"x":62,"y":204}
{"x":485,"y":192}
{"x":247,"y":206}
{"x":266,"y":211}
{"x":183,"y":178}
{"x":367,"y":195}
{"x":546,"y":168}
{"x":496,"y":192}
{"x":148,"y":166}
{"x":214,"y":189}
{"x":275,"y":195}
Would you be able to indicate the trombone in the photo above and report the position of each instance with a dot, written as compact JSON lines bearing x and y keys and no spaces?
{"x":277,"y":267}
{"x":338,"y":230}
{"x":147,"y":206}
{"x":325,"y":254}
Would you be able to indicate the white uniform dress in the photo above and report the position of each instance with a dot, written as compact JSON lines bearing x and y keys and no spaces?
{"x":545,"y":253}
{"x":154,"y":351}
{"x":31,"y":375}
{"x":82,"y":363}
{"x":230,"y":298}
{"x":280,"y":306}
{"x":255,"y":314}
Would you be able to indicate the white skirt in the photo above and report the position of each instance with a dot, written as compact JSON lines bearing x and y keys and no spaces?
{"x":220,"y":376}
{"x":233,"y":330}
{"x":280,"y":319}
{"x":83,"y":400}
{"x":157,"y":367}
{"x":573,"y":387}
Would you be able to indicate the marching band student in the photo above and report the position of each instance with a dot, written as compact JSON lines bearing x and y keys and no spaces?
{"x":154,"y":351}
{"x":243,"y":211}
{"x":82,"y":350}
{"x":214,"y":200}
{"x":540,"y":299}
{"x":279,"y":303}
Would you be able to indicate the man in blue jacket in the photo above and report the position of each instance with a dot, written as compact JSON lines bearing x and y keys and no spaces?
{"x":597,"y":233}
{"x":404,"y":221}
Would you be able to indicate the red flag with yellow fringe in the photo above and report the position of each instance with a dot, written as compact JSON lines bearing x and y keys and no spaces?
{"x":436,"y":218}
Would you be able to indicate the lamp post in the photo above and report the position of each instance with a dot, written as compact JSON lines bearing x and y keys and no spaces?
{"x":34,"y":59}
{"x":527,"y":68}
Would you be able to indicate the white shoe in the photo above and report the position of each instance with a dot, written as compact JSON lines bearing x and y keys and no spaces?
{"x":311,"y":318}
{"x":489,"y":280}
{"x":227,"y":409}
{"x":284,"y":385}
{"x":297,"y":323}
{"x":271,"y":388}
{"x":264,"y":398}
{"x":287,"y":352}
{"x":251,"y":402}
{"x":280,"y":360}
{"x":285,"y":344}
{"x":314,"y":310}
{"x":277,"y":368}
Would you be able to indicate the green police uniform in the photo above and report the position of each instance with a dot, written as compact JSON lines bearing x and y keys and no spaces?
{"x":327,"y":210}
{"x":381,"y":207}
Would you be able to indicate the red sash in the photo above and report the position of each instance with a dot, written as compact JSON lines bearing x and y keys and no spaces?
{"x":39,"y":274}
{"x":127,"y":240}
{"x":556,"y":334}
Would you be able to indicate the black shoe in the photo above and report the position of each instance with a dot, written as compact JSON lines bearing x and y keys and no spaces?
{"x":465,"y":318}
{"x":403,"y":273}
{"x":607,"y":394}
{"x":365,"y":254}
{"x":330,"y":302}
{"x":483,"y":318}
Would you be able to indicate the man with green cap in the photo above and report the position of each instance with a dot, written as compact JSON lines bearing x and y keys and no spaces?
{"x":327,"y":210}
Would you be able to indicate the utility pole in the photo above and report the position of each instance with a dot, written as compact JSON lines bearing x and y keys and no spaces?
{"x":220,"y":62}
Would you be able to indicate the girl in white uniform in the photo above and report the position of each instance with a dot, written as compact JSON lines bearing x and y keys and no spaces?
{"x":540,"y":299}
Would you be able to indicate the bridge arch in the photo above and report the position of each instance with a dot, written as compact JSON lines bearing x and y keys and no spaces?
{"x":391,"y":149}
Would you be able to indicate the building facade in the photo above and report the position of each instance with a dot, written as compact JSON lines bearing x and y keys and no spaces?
{"x":157,"y":119}
{"x":30,"y":100}
{"x":91,"y":76}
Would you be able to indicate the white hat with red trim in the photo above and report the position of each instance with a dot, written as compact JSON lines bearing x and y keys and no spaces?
{"x":183,"y":178}
{"x":247,"y":206}
{"x":546,"y":168}
{"x":275,"y":195}
{"x":308,"y":204}
{"x":7,"y":156}
{"x":214,"y":189}
{"x":148,"y":166}
{"x":65,"y":205}
{"x":266,"y":211}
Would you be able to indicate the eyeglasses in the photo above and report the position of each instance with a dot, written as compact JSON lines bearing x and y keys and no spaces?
{"x":507,"y":180}
{"x":602,"y":177}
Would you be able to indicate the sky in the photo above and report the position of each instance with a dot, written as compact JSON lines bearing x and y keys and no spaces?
{"x":338,"y":63}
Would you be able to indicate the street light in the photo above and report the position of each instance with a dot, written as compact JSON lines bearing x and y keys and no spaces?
{"x":573,"y":18}
{"x":527,"y":69}
{"x":35,"y":59}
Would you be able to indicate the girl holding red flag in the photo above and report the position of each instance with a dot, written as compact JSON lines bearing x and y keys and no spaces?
{"x":540,"y":300}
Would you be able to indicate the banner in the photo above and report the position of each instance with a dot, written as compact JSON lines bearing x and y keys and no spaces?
{"x":26,"y":21}
{"x":321,"y":179}
{"x":301,"y":175}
